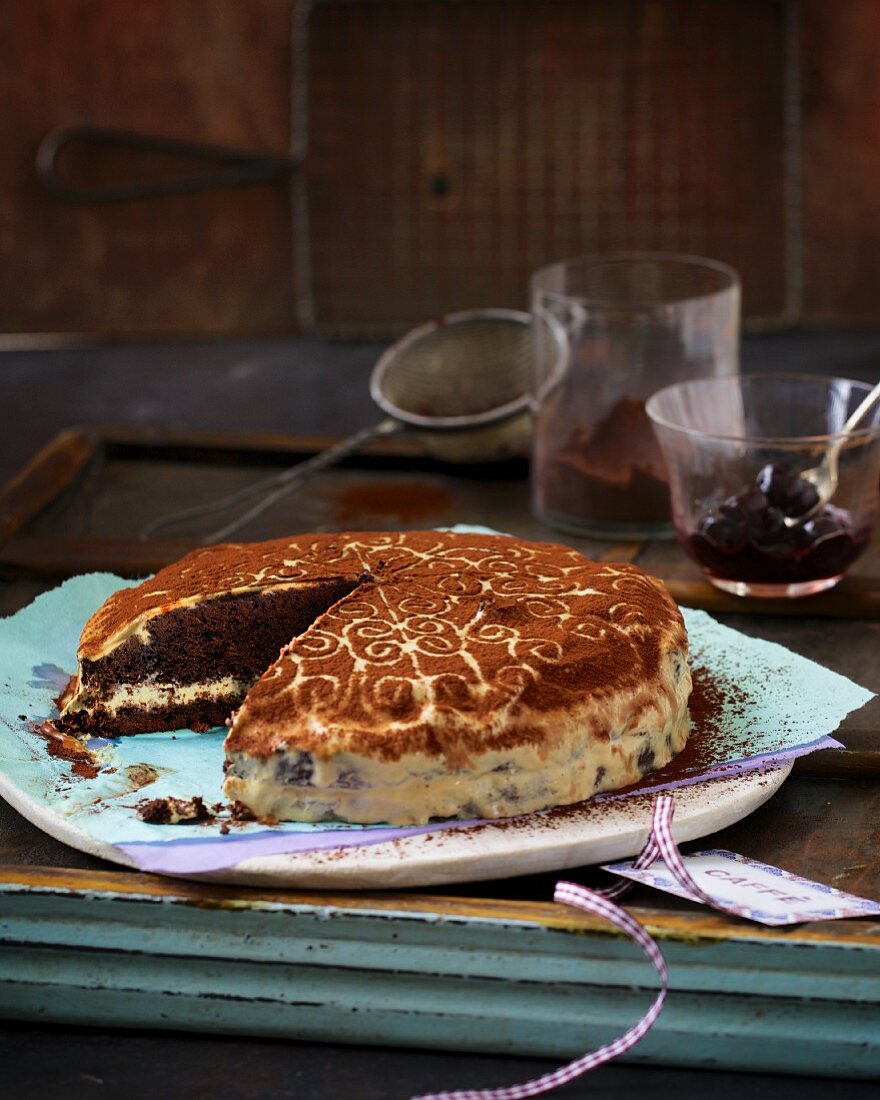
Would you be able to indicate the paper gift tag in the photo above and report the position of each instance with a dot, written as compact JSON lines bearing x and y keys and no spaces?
{"x":769,"y":894}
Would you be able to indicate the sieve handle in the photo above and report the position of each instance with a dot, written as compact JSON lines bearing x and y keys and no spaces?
{"x":274,"y":487}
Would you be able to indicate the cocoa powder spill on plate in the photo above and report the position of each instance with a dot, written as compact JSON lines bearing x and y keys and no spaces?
{"x":712,"y":699}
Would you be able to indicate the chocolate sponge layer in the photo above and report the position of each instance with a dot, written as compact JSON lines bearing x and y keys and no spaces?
{"x":202,"y":714}
{"x":230,"y":636}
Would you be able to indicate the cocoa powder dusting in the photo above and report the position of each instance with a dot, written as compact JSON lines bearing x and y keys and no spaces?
{"x":404,"y":501}
{"x":614,"y":473}
{"x":216,"y":570}
{"x":529,"y":593}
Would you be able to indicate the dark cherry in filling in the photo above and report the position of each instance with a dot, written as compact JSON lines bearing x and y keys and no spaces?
{"x":746,"y":538}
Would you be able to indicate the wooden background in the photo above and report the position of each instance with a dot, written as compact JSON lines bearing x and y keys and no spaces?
{"x":223,"y":262}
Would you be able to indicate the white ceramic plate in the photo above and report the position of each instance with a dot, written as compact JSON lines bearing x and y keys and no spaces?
{"x":573,"y":837}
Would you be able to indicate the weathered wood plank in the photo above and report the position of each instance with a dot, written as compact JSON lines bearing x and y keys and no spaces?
{"x":690,"y":926}
{"x":424,"y":971}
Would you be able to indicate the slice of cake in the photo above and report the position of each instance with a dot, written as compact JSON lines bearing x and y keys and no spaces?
{"x":422,"y":674}
{"x":182,"y":649}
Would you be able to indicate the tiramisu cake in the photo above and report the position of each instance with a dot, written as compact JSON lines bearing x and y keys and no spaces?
{"x":421,"y":674}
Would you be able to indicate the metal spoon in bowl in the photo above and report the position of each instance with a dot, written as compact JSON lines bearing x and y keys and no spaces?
{"x":824,"y":477}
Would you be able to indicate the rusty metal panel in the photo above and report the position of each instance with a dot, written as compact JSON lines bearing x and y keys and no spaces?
{"x":453,"y":146}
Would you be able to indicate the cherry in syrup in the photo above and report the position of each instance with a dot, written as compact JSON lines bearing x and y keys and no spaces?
{"x":747,"y":539}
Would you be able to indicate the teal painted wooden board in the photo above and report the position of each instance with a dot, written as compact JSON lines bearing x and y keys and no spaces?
{"x":447,"y":973}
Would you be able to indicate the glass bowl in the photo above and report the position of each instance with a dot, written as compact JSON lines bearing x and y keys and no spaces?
{"x":734,"y":450}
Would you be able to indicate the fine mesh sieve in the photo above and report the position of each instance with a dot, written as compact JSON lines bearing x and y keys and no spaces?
{"x":461,"y":384}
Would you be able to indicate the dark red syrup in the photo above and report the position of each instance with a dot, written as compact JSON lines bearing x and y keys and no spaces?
{"x":746,"y":537}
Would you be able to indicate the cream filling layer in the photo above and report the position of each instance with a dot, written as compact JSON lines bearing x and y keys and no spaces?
{"x":152,"y":696}
{"x":570,"y":765}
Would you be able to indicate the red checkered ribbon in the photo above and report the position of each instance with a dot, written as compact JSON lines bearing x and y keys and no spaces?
{"x":599,"y":903}
{"x":667,"y":849}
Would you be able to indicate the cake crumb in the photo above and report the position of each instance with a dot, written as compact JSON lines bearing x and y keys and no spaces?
{"x":172,"y":811}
